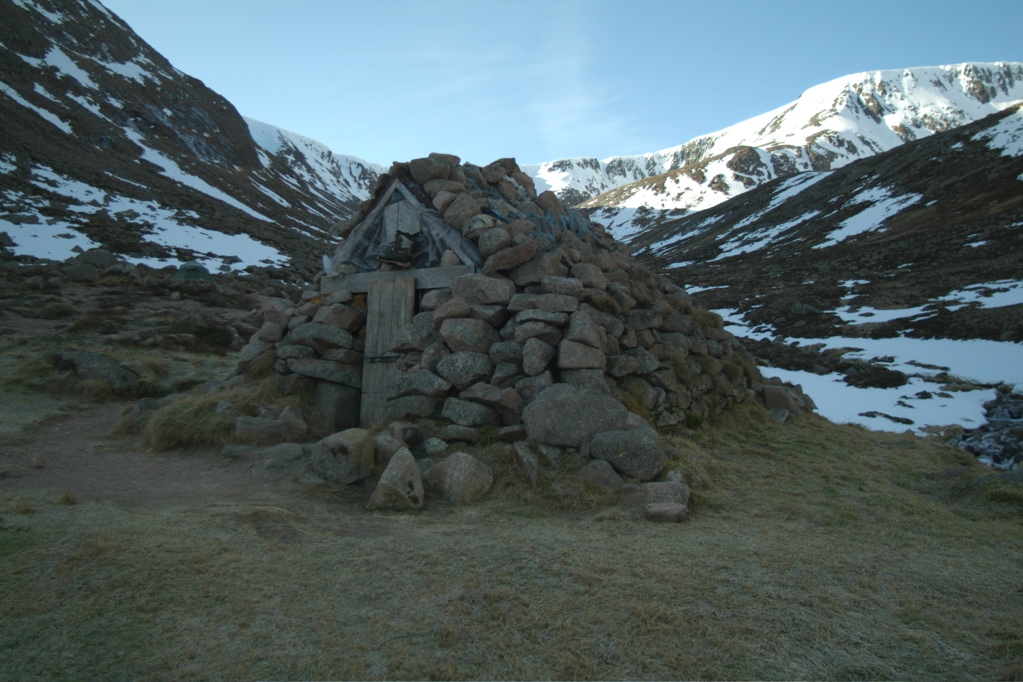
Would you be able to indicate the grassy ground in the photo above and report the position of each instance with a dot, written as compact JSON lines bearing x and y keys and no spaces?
{"x":814,"y":551}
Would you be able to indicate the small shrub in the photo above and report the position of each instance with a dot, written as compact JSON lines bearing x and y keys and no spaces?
{"x":632,"y":399}
{"x":680,"y":303}
{"x":694,"y":420}
{"x":23,"y":506}
{"x":681,"y":367}
{"x":159,"y":367}
{"x":189,"y":422}
{"x":68,"y":497}
{"x":708,"y":365}
{"x":94,"y":324}
{"x":642,"y":295}
{"x":707,"y":318}
{"x":732,"y":370}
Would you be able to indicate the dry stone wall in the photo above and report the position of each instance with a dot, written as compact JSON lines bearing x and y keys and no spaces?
{"x":557,"y":305}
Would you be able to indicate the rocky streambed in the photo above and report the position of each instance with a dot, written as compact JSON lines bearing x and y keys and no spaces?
{"x":999,"y":442}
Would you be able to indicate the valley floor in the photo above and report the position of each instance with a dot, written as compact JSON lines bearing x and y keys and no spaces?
{"x":814,"y":551}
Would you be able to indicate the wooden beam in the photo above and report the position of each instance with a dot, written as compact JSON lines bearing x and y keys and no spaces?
{"x":426,"y":278}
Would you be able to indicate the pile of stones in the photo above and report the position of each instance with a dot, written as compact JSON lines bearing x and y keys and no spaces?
{"x":560,"y":339}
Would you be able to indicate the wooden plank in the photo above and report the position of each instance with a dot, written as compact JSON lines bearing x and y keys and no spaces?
{"x":390,"y":306}
{"x":425,"y":278}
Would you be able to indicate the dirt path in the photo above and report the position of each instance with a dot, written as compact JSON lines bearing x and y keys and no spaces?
{"x":76,"y":453}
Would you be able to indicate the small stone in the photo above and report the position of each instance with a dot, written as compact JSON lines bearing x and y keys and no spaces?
{"x":434,"y":446}
{"x":666,"y":512}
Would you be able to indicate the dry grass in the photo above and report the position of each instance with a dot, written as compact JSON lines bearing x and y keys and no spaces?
{"x":193,"y":421}
{"x":815,"y":551}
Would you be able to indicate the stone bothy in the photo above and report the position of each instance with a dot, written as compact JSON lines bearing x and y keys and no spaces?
{"x":517,"y":313}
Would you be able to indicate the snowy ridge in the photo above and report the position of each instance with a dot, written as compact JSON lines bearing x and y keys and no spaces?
{"x":78,"y":102}
{"x":829,"y":126}
{"x":336,"y":175}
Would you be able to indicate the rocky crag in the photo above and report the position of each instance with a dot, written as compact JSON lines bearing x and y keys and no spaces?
{"x":561,"y":339}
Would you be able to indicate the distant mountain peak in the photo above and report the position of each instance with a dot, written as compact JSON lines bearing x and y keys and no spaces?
{"x":828,"y":126}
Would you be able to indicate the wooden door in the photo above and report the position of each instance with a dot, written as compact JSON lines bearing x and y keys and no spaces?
{"x":390,"y":305}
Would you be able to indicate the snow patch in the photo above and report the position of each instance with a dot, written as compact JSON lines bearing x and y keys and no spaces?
{"x":67,"y":66}
{"x":880,"y":206}
{"x":1006,"y":136}
{"x":174,"y":172}
{"x":978,"y":361}
{"x":46,"y":115}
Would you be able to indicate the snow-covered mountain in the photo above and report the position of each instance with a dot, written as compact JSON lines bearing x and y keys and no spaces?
{"x":830,"y":125}
{"x":104,"y":142}
{"x":900,"y":275}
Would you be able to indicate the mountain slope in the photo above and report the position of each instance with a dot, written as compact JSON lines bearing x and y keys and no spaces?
{"x":922,"y":236}
{"x":830,"y":125}
{"x":104,"y":141}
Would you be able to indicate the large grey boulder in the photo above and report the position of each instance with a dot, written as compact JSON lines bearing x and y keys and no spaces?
{"x":636,"y":454}
{"x":459,"y":479}
{"x":90,"y":366}
{"x":400,"y":486}
{"x":571,"y":415}
{"x":344,"y":457}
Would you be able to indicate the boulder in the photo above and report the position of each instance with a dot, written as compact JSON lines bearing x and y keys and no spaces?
{"x":321,"y":337}
{"x":346,"y":375}
{"x":454,"y":308}
{"x":636,"y":454}
{"x":426,"y":169}
{"x":589,"y":275}
{"x":601,"y":474}
{"x":571,"y":415}
{"x":420,"y":382}
{"x":400,"y":486}
{"x":573,"y":355}
{"x":536,"y":356}
{"x":464,"y":368}
{"x":344,"y":457}
{"x":385,"y":444}
{"x":340,"y":315}
{"x":477,"y":288}
{"x":510,"y":257}
{"x":506,"y":351}
{"x":90,"y":366}
{"x":505,"y":400}
{"x":493,"y":240}
{"x":459,"y":479}
{"x":461,"y":209}
{"x":468,"y":413}
{"x":467,"y":334}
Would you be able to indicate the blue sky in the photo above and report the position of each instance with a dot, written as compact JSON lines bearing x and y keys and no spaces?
{"x":392,"y":80}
